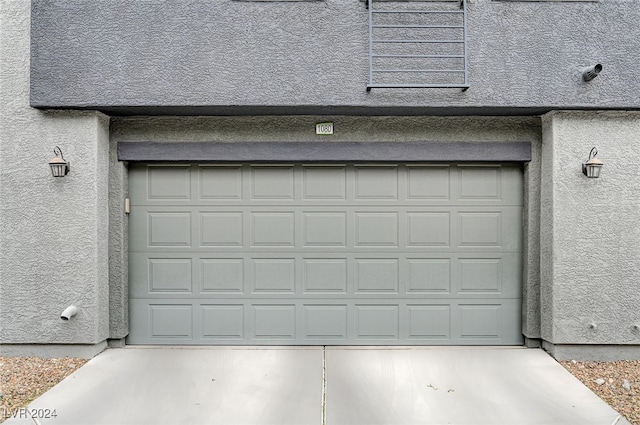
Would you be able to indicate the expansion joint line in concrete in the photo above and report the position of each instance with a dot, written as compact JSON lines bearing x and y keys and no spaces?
{"x":324,"y":385}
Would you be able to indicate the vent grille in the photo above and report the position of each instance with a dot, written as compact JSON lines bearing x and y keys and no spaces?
{"x":414,"y":44}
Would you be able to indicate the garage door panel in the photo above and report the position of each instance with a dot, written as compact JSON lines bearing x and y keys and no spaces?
{"x":161,"y":183}
{"x":488,"y":185}
{"x":273,"y":229}
{"x":274,"y":321}
{"x":324,"y":183}
{"x":222,"y":322}
{"x":376,"y":229}
{"x":512,"y":184}
{"x":428,"y":229}
{"x":322,"y":322}
{"x":169,"y":229}
{"x":161,"y":274}
{"x":322,"y":275}
{"x":428,"y":182}
{"x":220,"y":183}
{"x":175,"y":227}
{"x":325,"y":254}
{"x":221,"y":229}
{"x":437,"y":184}
{"x":486,"y":275}
{"x":272,"y":182}
{"x":480,"y":182}
{"x":487,"y":322}
{"x":376,"y":182}
{"x":376,"y":275}
{"x":170,"y":321}
{"x":512,"y":229}
{"x":222,"y":275}
{"x":377,"y":322}
{"x":324,"y":229}
{"x":488,"y":229}
{"x":494,"y":276}
{"x":326,"y":321}
{"x":273,"y":275}
{"x":480,"y":321}
{"x":159,"y":228}
{"x":172,"y":183}
{"x":429,"y":276}
{"x":170,"y":275}
{"x":480,"y":229}
{"x":429,"y":322}
{"x":480,"y":275}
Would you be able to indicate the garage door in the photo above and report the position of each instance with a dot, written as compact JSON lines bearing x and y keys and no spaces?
{"x":325,"y":254}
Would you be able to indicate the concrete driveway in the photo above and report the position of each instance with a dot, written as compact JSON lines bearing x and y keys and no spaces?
{"x":332,"y":386}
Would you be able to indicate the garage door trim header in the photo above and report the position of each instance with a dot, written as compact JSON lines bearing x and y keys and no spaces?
{"x":324,"y":152}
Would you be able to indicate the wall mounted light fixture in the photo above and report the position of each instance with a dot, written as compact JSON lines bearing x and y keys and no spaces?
{"x":59,"y":167}
{"x":593,"y":166}
{"x":591,"y":72}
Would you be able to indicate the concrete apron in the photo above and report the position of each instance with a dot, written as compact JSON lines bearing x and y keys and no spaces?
{"x":332,"y":386}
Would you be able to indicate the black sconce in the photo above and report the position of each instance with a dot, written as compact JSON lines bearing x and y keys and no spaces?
{"x":593,"y":166}
{"x":59,"y":167}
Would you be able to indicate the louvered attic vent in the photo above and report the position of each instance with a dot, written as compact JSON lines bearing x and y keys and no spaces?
{"x":417,"y":44}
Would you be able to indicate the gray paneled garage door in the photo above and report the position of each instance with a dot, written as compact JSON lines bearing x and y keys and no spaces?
{"x":325,"y":254}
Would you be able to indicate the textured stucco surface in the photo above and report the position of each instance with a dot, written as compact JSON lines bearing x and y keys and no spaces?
{"x":346,"y":129}
{"x":590,"y":352}
{"x":64,"y":241}
{"x":590,"y":238}
{"x":531,"y":309}
{"x":53,"y":244}
{"x":118,"y":248}
{"x":312,"y":56}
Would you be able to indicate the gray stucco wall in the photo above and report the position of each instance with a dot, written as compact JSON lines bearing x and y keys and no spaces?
{"x":118,"y":247}
{"x":590,"y":236}
{"x":227,"y":57}
{"x":64,"y":240}
{"x":53,"y":244}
